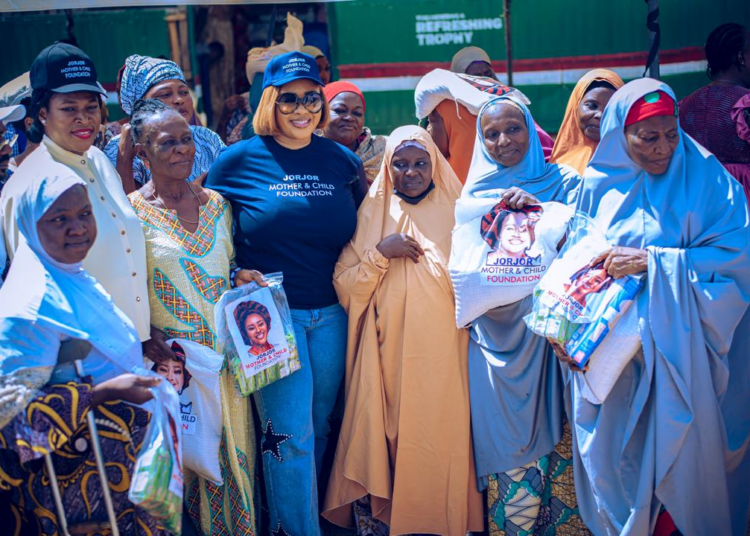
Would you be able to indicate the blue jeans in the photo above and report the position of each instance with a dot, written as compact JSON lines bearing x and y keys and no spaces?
{"x":294,"y":415}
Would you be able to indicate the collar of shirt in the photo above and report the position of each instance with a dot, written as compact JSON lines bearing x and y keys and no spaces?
{"x":76,"y":161}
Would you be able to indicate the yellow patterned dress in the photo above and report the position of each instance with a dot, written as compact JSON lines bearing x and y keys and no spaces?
{"x":188,"y":273}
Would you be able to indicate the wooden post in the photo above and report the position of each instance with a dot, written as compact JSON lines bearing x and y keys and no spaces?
{"x":179,"y":44}
{"x":508,"y":42}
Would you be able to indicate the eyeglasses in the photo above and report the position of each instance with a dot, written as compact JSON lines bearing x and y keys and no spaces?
{"x":289,"y":102}
{"x":11,"y":142}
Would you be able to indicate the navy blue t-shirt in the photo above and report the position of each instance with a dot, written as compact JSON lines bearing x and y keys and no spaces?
{"x":294,"y":210}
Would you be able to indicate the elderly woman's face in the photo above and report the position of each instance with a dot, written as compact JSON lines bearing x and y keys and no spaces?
{"x":515,"y":233}
{"x":506,"y":136}
{"x":652,"y":142}
{"x":590,"y":111}
{"x":301,"y":123}
{"x":174,"y":371}
{"x":72,"y":120}
{"x":411,"y":171}
{"x":170,"y":150}
{"x":256,"y":329}
{"x":68,"y":229}
{"x":175,"y":94}
{"x":347,"y":119}
{"x":481,"y":68}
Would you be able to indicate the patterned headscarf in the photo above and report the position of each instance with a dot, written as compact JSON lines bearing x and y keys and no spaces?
{"x":141,"y":74}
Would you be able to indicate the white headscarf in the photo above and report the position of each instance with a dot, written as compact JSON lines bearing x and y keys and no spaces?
{"x":45,"y":302}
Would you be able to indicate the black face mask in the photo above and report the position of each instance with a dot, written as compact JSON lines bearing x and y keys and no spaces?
{"x":417,"y":199}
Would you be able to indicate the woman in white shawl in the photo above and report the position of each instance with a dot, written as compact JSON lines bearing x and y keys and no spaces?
{"x":50,"y":303}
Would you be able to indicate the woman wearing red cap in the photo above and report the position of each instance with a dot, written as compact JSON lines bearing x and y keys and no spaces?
{"x":667,"y":451}
{"x":347,"y":126}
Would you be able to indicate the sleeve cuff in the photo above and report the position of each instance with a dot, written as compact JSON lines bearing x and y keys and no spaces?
{"x":378,"y":259}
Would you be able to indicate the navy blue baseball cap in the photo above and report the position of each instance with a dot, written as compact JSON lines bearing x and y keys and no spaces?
{"x":290,"y":66}
{"x":64,"y":68}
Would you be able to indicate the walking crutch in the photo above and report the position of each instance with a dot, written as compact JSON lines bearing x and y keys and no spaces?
{"x":75,"y":351}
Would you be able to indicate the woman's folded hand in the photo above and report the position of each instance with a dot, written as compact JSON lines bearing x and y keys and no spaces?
{"x":400,"y":245}
{"x":517,"y":198}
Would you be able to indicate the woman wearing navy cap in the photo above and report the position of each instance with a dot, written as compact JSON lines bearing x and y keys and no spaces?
{"x":294,"y":200}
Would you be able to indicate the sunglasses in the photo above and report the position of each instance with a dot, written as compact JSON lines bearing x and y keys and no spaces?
{"x":289,"y":102}
{"x":11,"y":142}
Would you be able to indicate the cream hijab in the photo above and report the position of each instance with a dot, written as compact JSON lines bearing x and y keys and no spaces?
{"x":381,"y":214}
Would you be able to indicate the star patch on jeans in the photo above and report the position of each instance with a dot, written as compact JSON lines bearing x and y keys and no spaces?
{"x":280,"y":530}
{"x":271,"y":443}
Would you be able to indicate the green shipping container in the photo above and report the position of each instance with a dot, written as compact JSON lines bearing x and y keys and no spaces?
{"x":386,"y":46}
{"x":108,"y":36}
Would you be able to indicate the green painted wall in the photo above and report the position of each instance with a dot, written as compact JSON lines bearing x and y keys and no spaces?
{"x":384,"y":31}
{"x":108,"y":36}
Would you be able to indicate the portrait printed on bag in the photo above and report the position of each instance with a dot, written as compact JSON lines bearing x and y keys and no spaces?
{"x":588,"y":282}
{"x":257,"y":331}
{"x":175,"y":370}
{"x":510,"y":235}
{"x":176,"y":373}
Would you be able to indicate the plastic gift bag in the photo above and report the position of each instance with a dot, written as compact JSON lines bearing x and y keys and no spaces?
{"x":256,"y":334}
{"x":195,"y":375}
{"x":500,"y":254}
{"x":157,"y":483}
{"x":579,"y":305}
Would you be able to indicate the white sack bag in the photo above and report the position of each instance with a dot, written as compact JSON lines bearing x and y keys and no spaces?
{"x":471,"y":91}
{"x":498,"y":254}
{"x":197,"y":384}
{"x":610,"y":357}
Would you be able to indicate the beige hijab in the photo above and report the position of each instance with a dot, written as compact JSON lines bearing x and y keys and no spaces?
{"x":466,"y":56}
{"x":406,"y":436}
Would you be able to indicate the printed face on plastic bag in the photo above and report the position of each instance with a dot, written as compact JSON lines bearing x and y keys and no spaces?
{"x":256,"y":334}
{"x":590,"y":284}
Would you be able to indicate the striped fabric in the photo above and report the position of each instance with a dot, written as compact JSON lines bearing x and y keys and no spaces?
{"x":141,"y":74}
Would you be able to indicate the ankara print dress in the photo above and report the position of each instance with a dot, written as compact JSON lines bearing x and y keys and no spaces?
{"x":188,"y":273}
{"x":55,"y":422}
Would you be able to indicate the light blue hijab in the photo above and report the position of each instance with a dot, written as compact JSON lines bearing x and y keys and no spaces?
{"x":548,"y":182}
{"x":662,"y":435}
{"x":515,"y":382}
{"x":45,"y":302}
